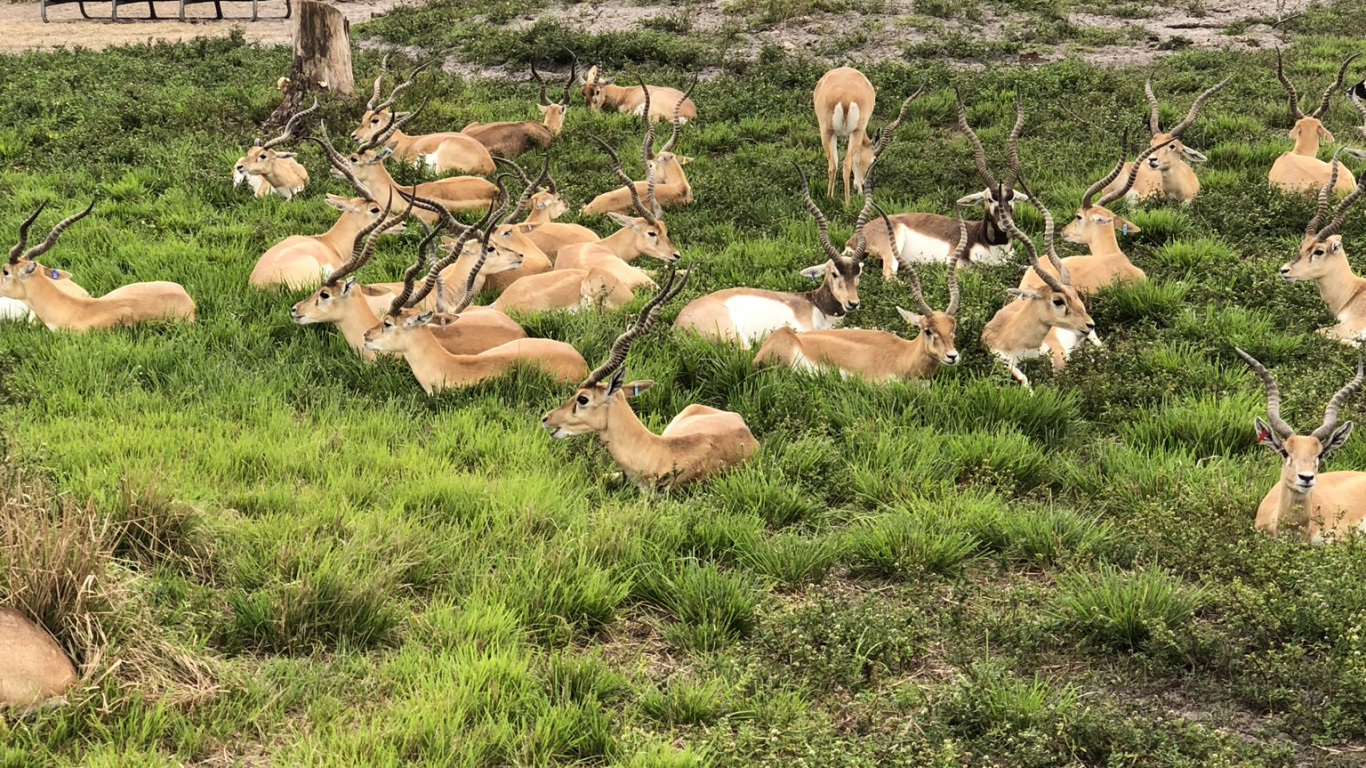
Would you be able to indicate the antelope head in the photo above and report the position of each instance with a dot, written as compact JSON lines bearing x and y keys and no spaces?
{"x":1170,"y":151}
{"x":593,"y":88}
{"x":328,"y":303}
{"x":22,"y":264}
{"x":649,"y":230}
{"x":590,"y":408}
{"x":554,"y":111}
{"x":1300,"y":454}
{"x":1310,"y":126}
{"x":1057,"y":304}
{"x":664,"y":164}
{"x":380,"y":121}
{"x":936,"y":328}
{"x":1093,"y":220}
{"x":841,"y":271}
{"x":1321,"y":251}
{"x":260,"y":159}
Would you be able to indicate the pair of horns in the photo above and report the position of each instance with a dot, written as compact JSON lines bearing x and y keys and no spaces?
{"x":568,"y":84}
{"x":363,"y":246}
{"x":951,"y":277}
{"x":1273,"y":399}
{"x":617,"y":356}
{"x":1153,"y":118}
{"x":1327,"y":189}
{"x":290,"y":127}
{"x":17,"y":252}
{"x":1129,"y":180}
{"x":979,"y":155}
{"x":1294,"y":95}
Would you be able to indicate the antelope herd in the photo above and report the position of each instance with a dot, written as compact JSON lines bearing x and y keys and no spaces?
{"x":536,"y":264}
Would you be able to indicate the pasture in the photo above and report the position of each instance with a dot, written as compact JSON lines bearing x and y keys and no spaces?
{"x":261,"y":550}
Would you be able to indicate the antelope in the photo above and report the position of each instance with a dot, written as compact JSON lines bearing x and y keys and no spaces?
{"x":664,"y":168}
{"x":15,"y":309}
{"x":878,"y":355}
{"x":1168,"y":173}
{"x":599,"y":93}
{"x":1322,"y":259}
{"x":269,"y":171}
{"x":299,"y":261}
{"x":699,"y":442}
{"x":570,"y":289}
{"x":23,"y":278}
{"x":380,"y":126}
{"x":844,"y":101}
{"x":515,"y":138}
{"x":1358,"y":95}
{"x":929,"y":238}
{"x":1318,"y":506}
{"x":1300,"y":170}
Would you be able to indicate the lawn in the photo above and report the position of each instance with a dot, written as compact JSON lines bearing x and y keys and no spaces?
{"x":265,"y":551}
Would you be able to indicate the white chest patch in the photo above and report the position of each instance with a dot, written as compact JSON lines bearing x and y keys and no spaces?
{"x":14,"y":309}
{"x":1068,"y":339}
{"x":991,"y":255}
{"x":755,"y":316}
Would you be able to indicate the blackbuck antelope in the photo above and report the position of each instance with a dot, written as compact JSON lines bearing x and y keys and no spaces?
{"x":929,"y":238}
{"x":1300,"y":169}
{"x":599,"y":92}
{"x":1322,"y":259}
{"x":269,"y":171}
{"x":23,"y":278}
{"x":515,"y":138}
{"x":844,"y":101}
{"x":381,"y":126}
{"x":1167,"y":172}
{"x":1315,"y":505}
{"x":299,"y":261}
{"x":1357,"y":94}
{"x":664,"y":169}
{"x":879,"y":355}
{"x":699,"y":442}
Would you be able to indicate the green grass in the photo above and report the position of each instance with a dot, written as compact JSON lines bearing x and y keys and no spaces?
{"x":259,"y":546}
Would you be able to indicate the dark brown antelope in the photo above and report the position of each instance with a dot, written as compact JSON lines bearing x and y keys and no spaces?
{"x":510,"y":139}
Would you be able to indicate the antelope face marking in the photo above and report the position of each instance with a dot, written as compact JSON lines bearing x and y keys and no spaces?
{"x":553,"y":115}
{"x":371,"y":123}
{"x":1172,"y":154}
{"x":394,"y":334}
{"x":259,"y":162}
{"x":1059,"y":309}
{"x":842,"y":276}
{"x":939,"y":330}
{"x":650,"y":239}
{"x":1312,"y":259}
{"x":1089,"y":223}
{"x":1300,"y":454}
{"x":13,"y":278}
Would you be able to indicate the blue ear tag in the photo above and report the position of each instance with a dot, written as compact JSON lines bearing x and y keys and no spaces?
{"x":1124,"y":230}
{"x":636,"y":392}
{"x":55,"y":274}
{"x":812,"y":278}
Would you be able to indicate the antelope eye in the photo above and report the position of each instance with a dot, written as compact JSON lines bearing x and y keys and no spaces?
{"x":1059,"y":303}
{"x":388,"y":323}
{"x":929,"y":334}
{"x":1318,"y":251}
{"x":324,"y":295}
{"x":374,"y":211}
{"x":506,"y":233}
{"x":374,"y":121}
{"x":652,"y":234}
{"x":581,"y":399}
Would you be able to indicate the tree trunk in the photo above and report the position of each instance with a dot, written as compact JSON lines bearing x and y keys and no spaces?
{"x":322,"y":58}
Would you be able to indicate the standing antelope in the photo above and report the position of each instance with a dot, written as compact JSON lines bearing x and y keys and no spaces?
{"x":664,"y":168}
{"x":514,"y":138}
{"x":1300,"y":169}
{"x":1320,"y":505}
{"x":844,"y":101}
{"x":879,"y":355}
{"x":269,"y":171}
{"x":25,"y":279}
{"x":599,"y":92}
{"x":1322,"y":259}
{"x":299,"y":261}
{"x":439,"y":152}
{"x":1167,"y":173}
{"x":699,"y":442}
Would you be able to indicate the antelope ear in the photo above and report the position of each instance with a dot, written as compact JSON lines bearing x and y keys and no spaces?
{"x":1334,"y":244}
{"x":1338,"y":437}
{"x":59,"y":274}
{"x":819,"y":270}
{"x":340,"y":203}
{"x":348,"y":286}
{"x":1193,"y":156}
{"x":541,"y":204}
{"x":975,"y":197}
{"x":28,"y":269}
{"x":422,"y":318}
{"x":622,"y":220}
{"x":1101,"y":218}
{"x":911,"y":318}
{"x":683,"y":159}
{"x":634,"y":388}
{"x":1022,"y":294}
{"x":1126,"y":227}
{"x":1268,"y":437}
{"x":402,"y":116}
{"x":1326,"y":135}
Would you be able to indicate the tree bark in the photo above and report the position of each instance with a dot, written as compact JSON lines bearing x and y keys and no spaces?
{"x":322,"y":58}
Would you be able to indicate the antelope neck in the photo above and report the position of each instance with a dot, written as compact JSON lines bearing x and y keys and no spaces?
{"x":1307,"y":144}
{"x":626,"y":438}
{"x":824,"y":301}
{"x":1340,"y":286}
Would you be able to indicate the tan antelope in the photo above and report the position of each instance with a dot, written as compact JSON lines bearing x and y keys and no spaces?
{"x":929,"y":238}
{"x":14,"y":309}
{"x":1167,"y":173}
{"x":671,"y":187}
{"x":698,"y":443}
{"x":1300,"y":169}
{"x":269,"y":171}
{"x":1315,"y":505}
{"x":564,"y":289}
{"x":1322,"y":259}
{"x":514,"y":138}
{"x":381,"y":126}
{"x":23,"y":278}
{"x":879,"y":355}
{"x":299,"y":261}
{"x":599,"y":92}
{"x":844,"y":101}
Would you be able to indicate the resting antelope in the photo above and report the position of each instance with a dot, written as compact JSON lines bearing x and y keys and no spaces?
{"x":515,"y":138}
{"x":1357,"y":93}
{"x":564,"y":289}
{"x":23,"y":278}
{"x":380,"y":126}
{"x":1168,"y":173}
{"x":599,"y":93}
{"x":929,"y":238}
{"x":15,"y":309}
{"x":269,"y":171}
{"x":299,"y":261}
{"x":878,"y":355}
{"x":844,"y":101}
{"x":1316,"y":505}
{"x":1322,"y":259}
{"x":664,"y":168}
{"x":699,"y":442}
{"x":1300,"y":169}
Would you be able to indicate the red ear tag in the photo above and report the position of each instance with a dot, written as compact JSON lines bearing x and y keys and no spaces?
{"x":1261,"y":435}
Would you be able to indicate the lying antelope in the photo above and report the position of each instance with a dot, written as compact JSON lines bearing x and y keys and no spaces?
{"x":1168,"y":173}
{"x":670,"y":185}
{"x":381,"y":126}
{"x":564,"y":289}
{"x":878,"y":355}
{"x":299,"y":261}
{"x":1322,"y":259}
{"x":844,"y":101}
{"x":1313,"y":504}
{"x":269,"y":171}
{"x":23,"y":278}
{"x":599,"y":92}
{"x":1357,"y":93}
{"x":699,"y":442}
{"x":514,"y":138}
{"x":1300,"y":169}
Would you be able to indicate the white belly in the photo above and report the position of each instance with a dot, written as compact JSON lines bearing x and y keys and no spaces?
{"x":991,"y":255}
{"x":919,"y":248}
{"x":753,"y":317}
{"x":14,"y":309}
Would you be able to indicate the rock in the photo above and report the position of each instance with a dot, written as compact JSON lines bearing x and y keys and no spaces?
{"x":33,"y":668}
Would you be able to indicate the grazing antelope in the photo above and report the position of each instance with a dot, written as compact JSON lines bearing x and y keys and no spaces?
{"x":844,"y":101}
{"x":699,"y":442}
{"x":1167,"y":172}
{"x":671,"y":187}
{"x":23,"y":278}
{"x":929,"y":238}
{"x":1300,"y":169}
{"x":1313,"y":504}
{"x":381,"y":126}
{"x":514,"y":138}
{"x":878,"y":355}
{"x":599,"y":92}
{"x":1322,"y":259}
{"x":299,"y":261}
{"x":269,"y":171}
